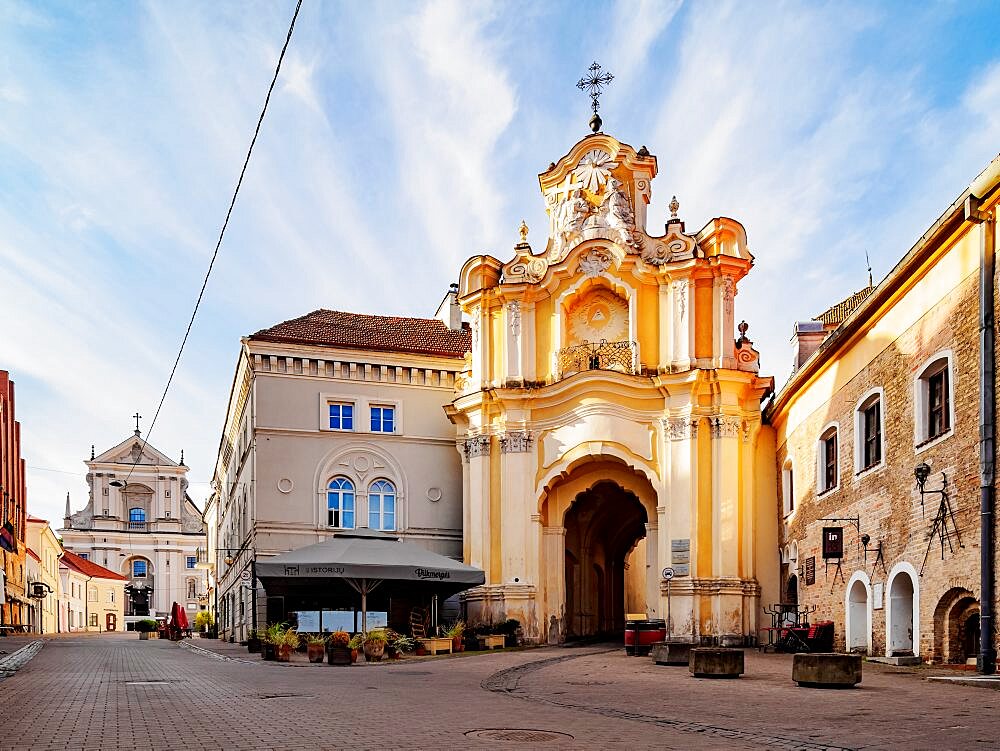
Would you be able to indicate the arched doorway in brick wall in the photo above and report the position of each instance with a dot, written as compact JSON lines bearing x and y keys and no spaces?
{"x":902,"y":611}
{"x":858,"y":614}
{"x":956,"y":626}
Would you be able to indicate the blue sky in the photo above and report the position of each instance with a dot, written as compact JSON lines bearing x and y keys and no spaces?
{"x":405,"y":137}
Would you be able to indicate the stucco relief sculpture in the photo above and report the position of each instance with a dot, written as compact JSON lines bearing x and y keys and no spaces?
{"x":515,"y":441}
{"x":594,"y":262}
{"x":514,"y":316}
{"x":725,"y":426}
{"x":617,"y":215}
{"x":728,"y":292}
{"x":600,"y":315}
{"x":680,"y":287}
{"x":478,"y":445}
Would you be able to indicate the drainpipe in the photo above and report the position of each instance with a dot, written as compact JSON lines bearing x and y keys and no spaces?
{"x":986,"y":662}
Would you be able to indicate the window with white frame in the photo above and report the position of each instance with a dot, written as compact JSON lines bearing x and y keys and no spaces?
{"x":341,"y":416}
{"x":91,"y":594}
{"x":869,"y":431}
{"x":383,"y":419}
{"x":934,"y":408}
{"x":191,"y":586}
{"x":828,"y":477}
{"x":382,"y":505}
{"x":787,"y":488}
{"x":340,"y":503}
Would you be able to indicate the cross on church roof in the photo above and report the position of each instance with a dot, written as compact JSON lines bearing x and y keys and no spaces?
{"x":137,"y":417}
{"x":593,"y":83}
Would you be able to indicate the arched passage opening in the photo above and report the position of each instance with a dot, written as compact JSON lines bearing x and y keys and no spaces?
{"x":858,"y":619}
{"x":900,"y":625}
{"x":605,"y":559}
{"x":956,"y":626}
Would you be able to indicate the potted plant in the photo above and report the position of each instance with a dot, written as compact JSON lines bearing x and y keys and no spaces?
{"x":419,"y":649}
{"x":356,"y":644}
{"x":269,"y":641}
{"x":455,"y":632}
{"x":145,"y":627}
{"x":287,"y":642}
{"x":338,"y":649}
{"x":253,"y":641}
{"x":374,"y":645}
{"x":315,"y":647}
{"x":401,"y":644}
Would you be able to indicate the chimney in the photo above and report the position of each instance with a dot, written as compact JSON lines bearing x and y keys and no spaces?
{"x":449,"y":312}
{"x":806,"y":339}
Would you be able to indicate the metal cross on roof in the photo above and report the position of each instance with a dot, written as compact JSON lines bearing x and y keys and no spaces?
{"x":137,"y":417}
{"x":593,"y":83}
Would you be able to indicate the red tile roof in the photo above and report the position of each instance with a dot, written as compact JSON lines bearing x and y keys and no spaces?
{"x":424,"y":336}
{"x":89,"y":568}
{"x":842,"y":311}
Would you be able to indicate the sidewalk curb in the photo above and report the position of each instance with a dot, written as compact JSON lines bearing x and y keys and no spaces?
{"x":16,"y":660}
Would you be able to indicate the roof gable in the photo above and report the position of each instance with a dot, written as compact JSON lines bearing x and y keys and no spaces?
{"x":131,"y":451}
{"x":333,"y":328}
{"x":88,"y":568}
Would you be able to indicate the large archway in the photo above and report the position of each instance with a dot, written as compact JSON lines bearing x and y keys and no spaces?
{"x":956,"y":626}
{"x":605,"y":560}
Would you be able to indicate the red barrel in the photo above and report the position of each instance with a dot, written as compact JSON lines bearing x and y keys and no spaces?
{"x":640,"y":635}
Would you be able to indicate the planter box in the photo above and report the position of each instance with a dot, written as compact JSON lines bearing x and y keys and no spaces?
{"x":711,"y":662}
{"x":435,"y":645}
{"x":671,"y":653}
{"x":826,"y":670}
{"x":490,"y":642}
{"x":339,"y":656}
{"x":144,"y":635}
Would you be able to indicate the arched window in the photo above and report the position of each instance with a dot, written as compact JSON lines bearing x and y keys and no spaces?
{"x":869,"y":432}
{"x":137,"y":514}
{"x":828,"y":461}
{"x":382,"y":505}
{"x":933,"y":400}
{"x":787,"y":488}
{"x":340,"y":503}
{"x":191,"y":589}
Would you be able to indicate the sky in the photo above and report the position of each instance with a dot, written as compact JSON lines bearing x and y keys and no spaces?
{"x":405,"y":137}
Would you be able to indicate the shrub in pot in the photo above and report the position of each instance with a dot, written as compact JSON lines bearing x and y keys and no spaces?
{"x":315,"y":647}
{"x":203,"y":621}
{"x":509,"y":629}
{"x":398,"y":644}
{"x":145,"y":627}
{"x":455,"y":633}
{"x":287,"y":642}
{"x":269,"y":641}
{"x":338,"y":650}
{"x":374,"y":645}
{"x":356,"y":644}
{"x":253,"y":641}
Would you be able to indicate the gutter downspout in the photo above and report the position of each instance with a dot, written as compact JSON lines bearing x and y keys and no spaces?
{"x":987,"y":659}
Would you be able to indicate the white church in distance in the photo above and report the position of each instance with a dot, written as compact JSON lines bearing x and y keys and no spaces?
{"x":144,"y":526}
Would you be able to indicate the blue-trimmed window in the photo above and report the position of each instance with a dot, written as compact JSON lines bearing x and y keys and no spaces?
{"x":340,"y":503}
{"x":138,"y":569}
{"x":137,"y":514}
{"x":382,"y":505}
{"x":191,"y":560}
{"x":383,"y":419}
{"x":341,"y":416}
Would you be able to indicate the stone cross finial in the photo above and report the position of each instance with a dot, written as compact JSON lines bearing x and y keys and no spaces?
{"x":523,"y":230}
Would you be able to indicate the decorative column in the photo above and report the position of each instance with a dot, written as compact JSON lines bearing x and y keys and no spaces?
{"x":723,"y":328}
{"x":517,"y":502}
{"x":513,"y":370}
{"x":666,"y":315}
{"x":555,"y":584}
{"x":477,"y":453}
{"x":727,"y":613}
{"x":682,"y":309}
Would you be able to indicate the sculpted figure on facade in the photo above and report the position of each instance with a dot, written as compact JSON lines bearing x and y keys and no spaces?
{"x":616,"y":212}
{"x":594,"y":262}
{"x":571,"y":216}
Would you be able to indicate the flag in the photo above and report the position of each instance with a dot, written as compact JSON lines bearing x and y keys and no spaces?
{"x":7,"y":540}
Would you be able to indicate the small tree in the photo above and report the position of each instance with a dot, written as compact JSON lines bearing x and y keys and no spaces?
{"x":204,"y":620}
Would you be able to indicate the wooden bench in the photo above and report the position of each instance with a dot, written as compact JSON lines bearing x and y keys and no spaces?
{"x":490,"y":642}
{"x":435,"y":645}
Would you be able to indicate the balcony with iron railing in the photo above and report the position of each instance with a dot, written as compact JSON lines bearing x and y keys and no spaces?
{"x":603,"y":355}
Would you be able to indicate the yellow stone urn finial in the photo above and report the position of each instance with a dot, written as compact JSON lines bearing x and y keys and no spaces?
{"x":523,"y":229}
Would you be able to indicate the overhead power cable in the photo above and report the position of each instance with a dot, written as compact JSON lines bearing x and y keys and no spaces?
{"x":218,"y":243}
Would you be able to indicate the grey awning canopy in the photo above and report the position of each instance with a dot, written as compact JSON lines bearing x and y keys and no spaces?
{"x":366,"y":554}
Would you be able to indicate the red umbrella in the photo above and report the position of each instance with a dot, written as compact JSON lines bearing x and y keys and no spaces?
{"x":178,"y":617}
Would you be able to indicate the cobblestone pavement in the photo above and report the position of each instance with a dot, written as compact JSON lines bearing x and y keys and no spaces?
{"x":116,"y":692}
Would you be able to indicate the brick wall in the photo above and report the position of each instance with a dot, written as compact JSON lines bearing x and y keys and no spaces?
{"x":13,"y":505}
{"x":886,"y":498}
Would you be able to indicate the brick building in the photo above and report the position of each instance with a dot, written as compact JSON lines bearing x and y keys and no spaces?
{"x":13,"y":511}
{"x":881,"y":413}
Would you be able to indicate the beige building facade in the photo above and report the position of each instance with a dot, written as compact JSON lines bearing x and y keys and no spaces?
{"x":335,"y":422}
{"x":44,"y":548}
{"x":878,"y":448}
{"x":140,"y":522}
{"x":93,"y":597}
{"x":609,"y":420}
